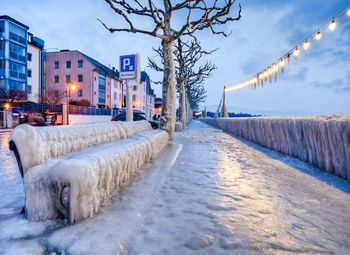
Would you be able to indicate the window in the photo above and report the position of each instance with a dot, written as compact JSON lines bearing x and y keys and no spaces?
{"x":29,"y":89}
{"x":57,"y":79}
{"x":120,"y":97}
{"x":2,"y":45}
{"x":17,"y":33}
{"x":2,"y":64}
{"x":17,"y":70}
{"x":80,"y":93}
{"x":29,"y":74}
{"x":68,"y":64}
{"x":2,"y":83}
{"x":67,"y":78}
{"x":80,"y":63}
{"x":80,"y":78}
{"x":135,"y":87}
{"x":57,"y":65}
{"x":2,"y":26}
{"x":17,"y":52}
{"x":115,"y":95}
{"x":29,"y":56}
{"x":133,"y":97}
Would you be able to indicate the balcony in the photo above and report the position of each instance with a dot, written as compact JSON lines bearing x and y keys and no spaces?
{"x":17,"y":38}
{"x":17,"y":56}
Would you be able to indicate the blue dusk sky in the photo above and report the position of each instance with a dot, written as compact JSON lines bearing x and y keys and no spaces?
{"x":318,"y":82}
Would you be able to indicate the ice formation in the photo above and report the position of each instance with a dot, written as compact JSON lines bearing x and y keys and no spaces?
{"x":92,"y":160}
{"x":322,"y":140}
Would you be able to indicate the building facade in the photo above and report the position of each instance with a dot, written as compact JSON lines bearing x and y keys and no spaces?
{"x":93,"y":79}
{"x":35,"y":68}
{"x":143,"y":95}
{"x":13,"y":59}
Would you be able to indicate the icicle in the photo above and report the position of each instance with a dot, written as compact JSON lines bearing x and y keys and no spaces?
{"x":275,"y":75}
{"x":288,"y":58}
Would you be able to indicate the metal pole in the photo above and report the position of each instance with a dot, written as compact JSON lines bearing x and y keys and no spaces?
{"x":129,"y":112}
{"x":67,"y":104}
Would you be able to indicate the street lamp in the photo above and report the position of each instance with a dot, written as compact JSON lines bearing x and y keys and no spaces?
{"x":71,"y":86}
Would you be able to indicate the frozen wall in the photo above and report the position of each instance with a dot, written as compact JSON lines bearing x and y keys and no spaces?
{"x":322,"y":140}
{"x":76,"y":119}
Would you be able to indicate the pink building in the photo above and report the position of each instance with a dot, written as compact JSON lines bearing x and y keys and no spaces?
{"x":94,"y":81}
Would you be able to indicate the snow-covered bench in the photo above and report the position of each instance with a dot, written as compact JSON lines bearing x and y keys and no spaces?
{"x":69,"y":171}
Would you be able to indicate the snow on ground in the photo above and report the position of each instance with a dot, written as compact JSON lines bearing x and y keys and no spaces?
{"x":209,"y":193}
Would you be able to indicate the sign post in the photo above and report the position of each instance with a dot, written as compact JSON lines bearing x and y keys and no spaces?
{"x":130,"y":74}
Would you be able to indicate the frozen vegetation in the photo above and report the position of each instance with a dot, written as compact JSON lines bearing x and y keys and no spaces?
{"x":207,"y":193}
{"x":322,"y":140}
{"x":91,"y":160}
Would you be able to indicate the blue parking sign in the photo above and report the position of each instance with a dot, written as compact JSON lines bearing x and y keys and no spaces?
{"x":127,"y":63}
{"x":130,"y":67}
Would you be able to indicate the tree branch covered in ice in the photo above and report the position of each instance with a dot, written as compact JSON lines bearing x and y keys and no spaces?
{"x":199,"y":15}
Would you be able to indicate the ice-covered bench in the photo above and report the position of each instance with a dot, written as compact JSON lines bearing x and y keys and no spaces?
{"x":69,"y":171}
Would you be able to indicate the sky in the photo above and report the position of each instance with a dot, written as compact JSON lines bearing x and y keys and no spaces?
{"x":318,"y":82}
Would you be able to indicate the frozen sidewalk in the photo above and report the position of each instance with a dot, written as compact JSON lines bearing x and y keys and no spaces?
{"x":208,"y":193}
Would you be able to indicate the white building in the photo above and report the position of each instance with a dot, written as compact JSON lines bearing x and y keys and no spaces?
{"x":35,"y":72}
{"x":116,"y":94}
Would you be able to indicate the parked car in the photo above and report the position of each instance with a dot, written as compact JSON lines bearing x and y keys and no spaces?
{"x":22,"y":115}
{"x":137,"y":115}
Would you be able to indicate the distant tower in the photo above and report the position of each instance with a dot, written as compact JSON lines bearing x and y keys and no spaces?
{"x":205,"y":112}
{"x":223,"y":109}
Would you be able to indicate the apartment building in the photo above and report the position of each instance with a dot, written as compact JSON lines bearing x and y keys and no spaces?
{"x":93,"y":79}
{"x":13,"y":59}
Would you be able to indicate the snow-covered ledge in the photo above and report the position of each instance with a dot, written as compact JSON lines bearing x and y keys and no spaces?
{"x":76,"y":119}
{"x":322,"y":140}
{"x":70,"y":170}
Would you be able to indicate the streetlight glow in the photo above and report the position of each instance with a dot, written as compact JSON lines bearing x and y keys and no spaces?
{"x":73,"y":86}
{"x":7,"y":106}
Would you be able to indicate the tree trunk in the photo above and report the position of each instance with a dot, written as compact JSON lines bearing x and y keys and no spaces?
{"x":167,"y":121}
{"x":182,"y":103}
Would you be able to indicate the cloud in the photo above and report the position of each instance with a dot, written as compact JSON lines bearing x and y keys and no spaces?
{"x":337,"y":85}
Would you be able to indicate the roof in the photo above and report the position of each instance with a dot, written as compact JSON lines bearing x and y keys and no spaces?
{"x":101,"y":67}
{"x":144,"y":76}
{"x":36,"y":41}
{"x":14,"y":21}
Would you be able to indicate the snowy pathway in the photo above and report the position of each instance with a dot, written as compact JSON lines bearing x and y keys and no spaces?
{"x":209,"y":193}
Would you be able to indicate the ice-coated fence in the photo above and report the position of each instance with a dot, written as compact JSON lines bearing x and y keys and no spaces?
{"x":321,"y":140}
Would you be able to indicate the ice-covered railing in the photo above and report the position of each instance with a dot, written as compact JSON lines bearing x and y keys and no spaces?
{"x":322,"y":140}
{"x":37,"y":144}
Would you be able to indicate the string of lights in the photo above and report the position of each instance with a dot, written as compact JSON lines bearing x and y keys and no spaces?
{"x":270,"y":73}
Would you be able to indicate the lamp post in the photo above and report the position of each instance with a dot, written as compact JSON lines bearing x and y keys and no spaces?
{"x":70,"y":86}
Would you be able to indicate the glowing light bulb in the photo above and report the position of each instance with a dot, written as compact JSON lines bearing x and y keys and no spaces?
{"x":318,"y":36}
{"x":296,"y":52}
{"x":332,"y":25}
{"x":281,"y":64}
{"x":306,"y":45}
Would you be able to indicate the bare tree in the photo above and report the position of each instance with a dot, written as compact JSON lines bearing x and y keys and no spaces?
{"x":187,"y":55}
{"x":54,"y":96}
{"x":200,"y":15}
{"x":12,"y":95}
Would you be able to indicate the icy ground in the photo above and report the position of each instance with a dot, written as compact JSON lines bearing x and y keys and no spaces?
{"x":208,"y":193}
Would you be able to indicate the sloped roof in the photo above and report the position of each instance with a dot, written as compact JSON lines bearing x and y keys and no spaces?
{"x":101,"y":67}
